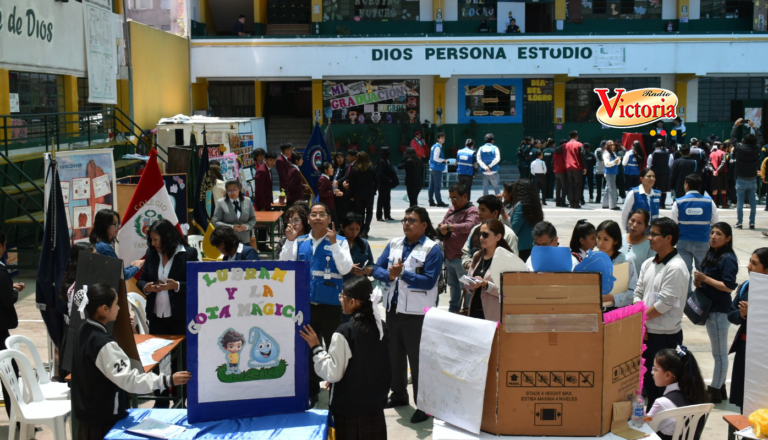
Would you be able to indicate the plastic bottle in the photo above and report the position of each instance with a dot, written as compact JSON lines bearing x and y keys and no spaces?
{"x":282,"y":196}
{"x":638,"y":410}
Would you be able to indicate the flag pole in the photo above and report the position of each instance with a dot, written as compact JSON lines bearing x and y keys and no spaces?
{"x":53,"y":148}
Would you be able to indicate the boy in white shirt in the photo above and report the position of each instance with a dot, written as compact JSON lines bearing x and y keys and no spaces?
{"x":539,"y":173}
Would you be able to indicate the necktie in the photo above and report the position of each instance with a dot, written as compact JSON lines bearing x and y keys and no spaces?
{"x":237,"y":207}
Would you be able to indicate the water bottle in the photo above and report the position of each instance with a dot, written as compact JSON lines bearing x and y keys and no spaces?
{"x":638,"y":410}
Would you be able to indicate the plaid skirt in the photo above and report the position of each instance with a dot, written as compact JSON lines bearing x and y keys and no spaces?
{"x":368,"y":427}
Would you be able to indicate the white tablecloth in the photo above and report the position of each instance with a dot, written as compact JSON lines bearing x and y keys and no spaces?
{"x":445,"y":431}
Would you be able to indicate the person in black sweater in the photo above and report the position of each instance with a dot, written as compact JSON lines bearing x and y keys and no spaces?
{"x":9,"y":294}
{"x":362,"y":185}
{"x":387,"y":181}
{"x":102,"y":375}
{"x":748,"y":154}
{"x":758,"y":262}
{"x":356,"y":364}
{"x":683,"y":166}
{"x":413,"y":175}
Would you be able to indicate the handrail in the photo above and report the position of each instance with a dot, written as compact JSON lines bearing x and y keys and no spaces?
{"x":134,"y":126}
{"x":21,"y":191}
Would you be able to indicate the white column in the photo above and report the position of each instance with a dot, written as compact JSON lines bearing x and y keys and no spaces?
{"x":694,"y":9}
{"x":450,"y":9}
{"x":667,"y":82}
{"x":452,"y":101}
{"x":669,"y":10}
{"x":692,"y":109}
{"x":427,"y":96}
{"x":425,"y":10}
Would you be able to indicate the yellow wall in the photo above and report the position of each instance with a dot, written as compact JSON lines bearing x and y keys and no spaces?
{"x":260,"y":11}
{"x":5,"y":98}
{"x":207,"y":17}
{"x":559,"y":98}
{"x":681,"y":90}
{"x":161,"y":82}
{"x":200,"y":95}
{"x":317,"y":99}
{"x":261,"y":95}
{"x":560,"y":9}
{"x":439,"y":94}
{"x":317,"y":18}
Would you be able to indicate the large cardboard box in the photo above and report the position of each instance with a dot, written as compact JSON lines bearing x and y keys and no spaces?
{"x":555,"y":368}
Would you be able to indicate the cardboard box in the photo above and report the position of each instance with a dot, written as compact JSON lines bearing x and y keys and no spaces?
{"x":555,"y":368}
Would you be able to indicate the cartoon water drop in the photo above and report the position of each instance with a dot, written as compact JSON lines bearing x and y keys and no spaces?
{"x":264,"y":349}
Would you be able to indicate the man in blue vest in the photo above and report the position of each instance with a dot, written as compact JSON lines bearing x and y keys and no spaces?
{"x":409,"y":267}
{"x":437,"y":166}
{"x":466,"y":165}
{"x":330,"y":260}
{"x":695,"y":214}
{"x":488,"y":158}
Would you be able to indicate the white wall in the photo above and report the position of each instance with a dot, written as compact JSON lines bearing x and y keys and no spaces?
{"x":692,"y":107}
{"x":450,"y":9}
{"x":452,"y":97}
{"x":694,"y":9}
{"x":669,"y":9}
{"x":667,"y":82}
{"x":427,"y":98}
{"x":425,"y":10}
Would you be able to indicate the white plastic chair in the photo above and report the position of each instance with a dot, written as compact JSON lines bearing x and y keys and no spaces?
{"x":686,"y":418}
{"x":38,"y":410}
{"x":139,"y":306}
{"x":51,"y":390}
{"x":195,"y":241}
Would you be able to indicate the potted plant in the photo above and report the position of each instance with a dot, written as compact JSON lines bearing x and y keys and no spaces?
{"x":375,"y":138}
{"x":352,"y":139}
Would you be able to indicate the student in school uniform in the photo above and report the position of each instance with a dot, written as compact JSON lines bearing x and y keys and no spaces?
{"x":677,"y":371}
{"x":609,"y":241}
{"x":539,"y":175}
{"x":758,"y":262}
{"x":228,"y":243}
{"x":356,"y":364}
{"x":582,"y":239}
{"x":102,"y":375}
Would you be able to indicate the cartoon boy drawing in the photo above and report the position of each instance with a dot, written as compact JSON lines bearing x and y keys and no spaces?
{"x":232,"y":343}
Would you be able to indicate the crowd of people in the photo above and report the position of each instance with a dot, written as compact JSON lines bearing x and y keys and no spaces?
{"x":365,"y":358}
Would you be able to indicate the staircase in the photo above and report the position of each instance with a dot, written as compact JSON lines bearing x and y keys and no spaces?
{"x":288,"y":29}
{"x":294,"y":130}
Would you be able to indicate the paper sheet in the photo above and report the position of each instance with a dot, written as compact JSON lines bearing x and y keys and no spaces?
{"x":453,"y":365}
{"x":101,"y":186}
{"x":149,"y":347}
{"x":157,"y":429}
{"x":621,"y":273}
{"x":756,"y":371}
{"x":81,"y":189}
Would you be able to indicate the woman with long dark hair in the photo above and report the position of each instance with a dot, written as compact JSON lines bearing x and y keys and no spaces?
{"x":363,"y":184}
{"x":633,"y":162}
{"x":642,"y":196}
{"x":717,"y":280}
{"x":526,"y":213}
{"x":387,"y":181}
{"x":356,"y":364}
{"x":104,"y":237}
{"x":636,"y":245}
{"x":164,"y":279}
{"x":414,"y":177}
{"x":492,"y":259}
{"x":583,"y":239}
{"x":359,"y":249}
{"x":235,"y":211}
{"x":609,"y":241}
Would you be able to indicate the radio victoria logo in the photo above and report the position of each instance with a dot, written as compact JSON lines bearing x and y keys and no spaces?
{"x":636,"y":107}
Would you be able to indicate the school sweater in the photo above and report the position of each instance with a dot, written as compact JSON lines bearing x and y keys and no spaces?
{"x":102,"y":377}
{"x":358,"y":367}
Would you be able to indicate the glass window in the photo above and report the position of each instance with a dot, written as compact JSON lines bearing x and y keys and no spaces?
{"x":39,"y":93}
{"x":725,"y":8}
{"x":165,"y":4}
{"x":371,"y":10}
{"x":581,"y":102}
{"x":716,"y":94}
{"x":143,"y":4}
{"x":620,"y":9}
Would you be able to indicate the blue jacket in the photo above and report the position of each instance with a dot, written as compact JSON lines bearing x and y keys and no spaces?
{"x":522,"y":229}
{"x":694,"y":216}
{"x":465,"y":162}
{"x":649,"y":202}
{"x":321,"y":290}
{"x":434,"y":165}
{"x":632,"y":168}
{"x":360,"y":251}
{"x":107,"y":250}
{"x":247,"y":253}
{"x":488,"y":153}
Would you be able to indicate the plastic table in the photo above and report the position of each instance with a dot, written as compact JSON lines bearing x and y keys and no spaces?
{"x":445,"y":431}
{"x":309,"y":425}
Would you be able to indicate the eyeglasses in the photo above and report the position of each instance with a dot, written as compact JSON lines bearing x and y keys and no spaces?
{"x":318,"y":215}
{"x":296,"y":220}
{"x":232,"y":191}
{"x":544,"y":244}
{"x":342,"y":296}
{"x":654,"y":234}
{"x":655,"y":369}
{"x":117,"y":225}
{"x":453,"y":199}
{"x":485,"y":234}
{"x":409,"y":220}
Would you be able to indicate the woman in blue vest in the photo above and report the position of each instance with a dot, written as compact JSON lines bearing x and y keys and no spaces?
{"x":611,"y":161}
{"x":466,"y":165}
{"x":329,"y":258}
{"x":632,"y":161}
{"x":643,"y":196}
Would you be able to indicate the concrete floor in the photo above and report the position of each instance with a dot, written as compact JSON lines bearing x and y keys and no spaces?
{"x":398,"y":420}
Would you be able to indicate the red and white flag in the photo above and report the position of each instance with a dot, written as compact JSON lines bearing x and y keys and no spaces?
{"x":149,"y":203}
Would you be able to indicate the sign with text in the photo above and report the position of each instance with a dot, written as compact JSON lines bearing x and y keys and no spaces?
{"x":245,"y":353}
{"x":100,"y":50}
{"x":371,"y":101}
{"x":490,"y":101}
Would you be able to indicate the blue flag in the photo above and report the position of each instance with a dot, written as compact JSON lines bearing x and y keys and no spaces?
{"x":203,"y":185}
{"x":314,"y":155}
{"x":54,"y":258}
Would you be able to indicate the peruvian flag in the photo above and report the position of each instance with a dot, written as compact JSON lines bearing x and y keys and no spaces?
{"x":149,"y":203}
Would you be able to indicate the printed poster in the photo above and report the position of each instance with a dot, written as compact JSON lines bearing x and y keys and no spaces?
{"x":371,"y":101}
{"x":229,"y":167}
{"x":87,"y":178}
{"x":100,"y":52}
{"x":246,"y":356}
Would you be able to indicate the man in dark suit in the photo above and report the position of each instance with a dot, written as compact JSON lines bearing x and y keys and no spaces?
{"x":682,"y":167}
{"x":9,"y":294}
{"x":283,"y":163}
{"x":343,"y":180}
{"x":263,"y":195}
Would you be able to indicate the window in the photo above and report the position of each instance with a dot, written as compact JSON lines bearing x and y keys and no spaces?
{"x":620,"y":9}
{"x":39,"y":93}
{"x":143,"y":4}
{"x":165,"y":4}
{"x":230,"y":99}
{"x":716,"y":94}
{"x":581,"y":102}
{"x":98,"y":124}
{"x":370,"y":10}
{"x":725,"y":8}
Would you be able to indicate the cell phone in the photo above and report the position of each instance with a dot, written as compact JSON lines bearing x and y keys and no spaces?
{"x":747,"y":121}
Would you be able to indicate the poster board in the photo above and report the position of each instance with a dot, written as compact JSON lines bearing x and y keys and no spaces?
{"x":354,"y":102}
{"x":229,"y":166}
{"x":756,"y":362}
{"x":95,"y":268}
{"x":245,"y":353}
{"x":100,"y":50}
{"x":491,"y":100}
{"x":88,"y":184}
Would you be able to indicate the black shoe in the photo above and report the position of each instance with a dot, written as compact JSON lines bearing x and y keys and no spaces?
{"x":265,"y":249}
{"x":313,"y":400}
{"x":389,"y":219}
{"x":616,"y":208}
{"x":751,"y":226}
{"x":544,"y":203}
{"x":379,"y":219}
{"x":714,"y":395}
{"x":576,"y":207}
{"x":723,"y":393}
{"x":364,"y":235}
{"x":432,"y":204}
{"x":442,"y":205}
{"x":738,"y":226}
{"x":395,"y":403}
{"x":419,"y":416}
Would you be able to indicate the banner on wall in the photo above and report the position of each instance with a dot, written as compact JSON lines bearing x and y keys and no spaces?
{"x":246,"y":356}
{"x":371,"y":101}
{"x":100,"y":50}
{"x":87,"y":185}
{"x":491,"y":101}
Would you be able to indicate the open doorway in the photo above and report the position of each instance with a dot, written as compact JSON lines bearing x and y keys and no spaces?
{"x":539,"y":18}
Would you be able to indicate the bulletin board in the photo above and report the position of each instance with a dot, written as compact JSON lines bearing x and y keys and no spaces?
{"x":245,"y":353}
{"x":491,"y":101}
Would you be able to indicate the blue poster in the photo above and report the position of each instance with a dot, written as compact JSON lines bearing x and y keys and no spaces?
{"x":491,"y":101}
{"x":244,"y":350}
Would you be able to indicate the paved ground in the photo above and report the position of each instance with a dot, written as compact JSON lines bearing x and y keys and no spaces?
{"x":398,"y":420}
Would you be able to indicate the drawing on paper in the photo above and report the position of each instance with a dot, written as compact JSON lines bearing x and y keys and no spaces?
{"x":264,"y":362}
{"x":81,"y":188}
{"x":65,"y":192}
{"x":101,"y":186}
{"x":82,"y":217}
{"x":231,"y":342}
